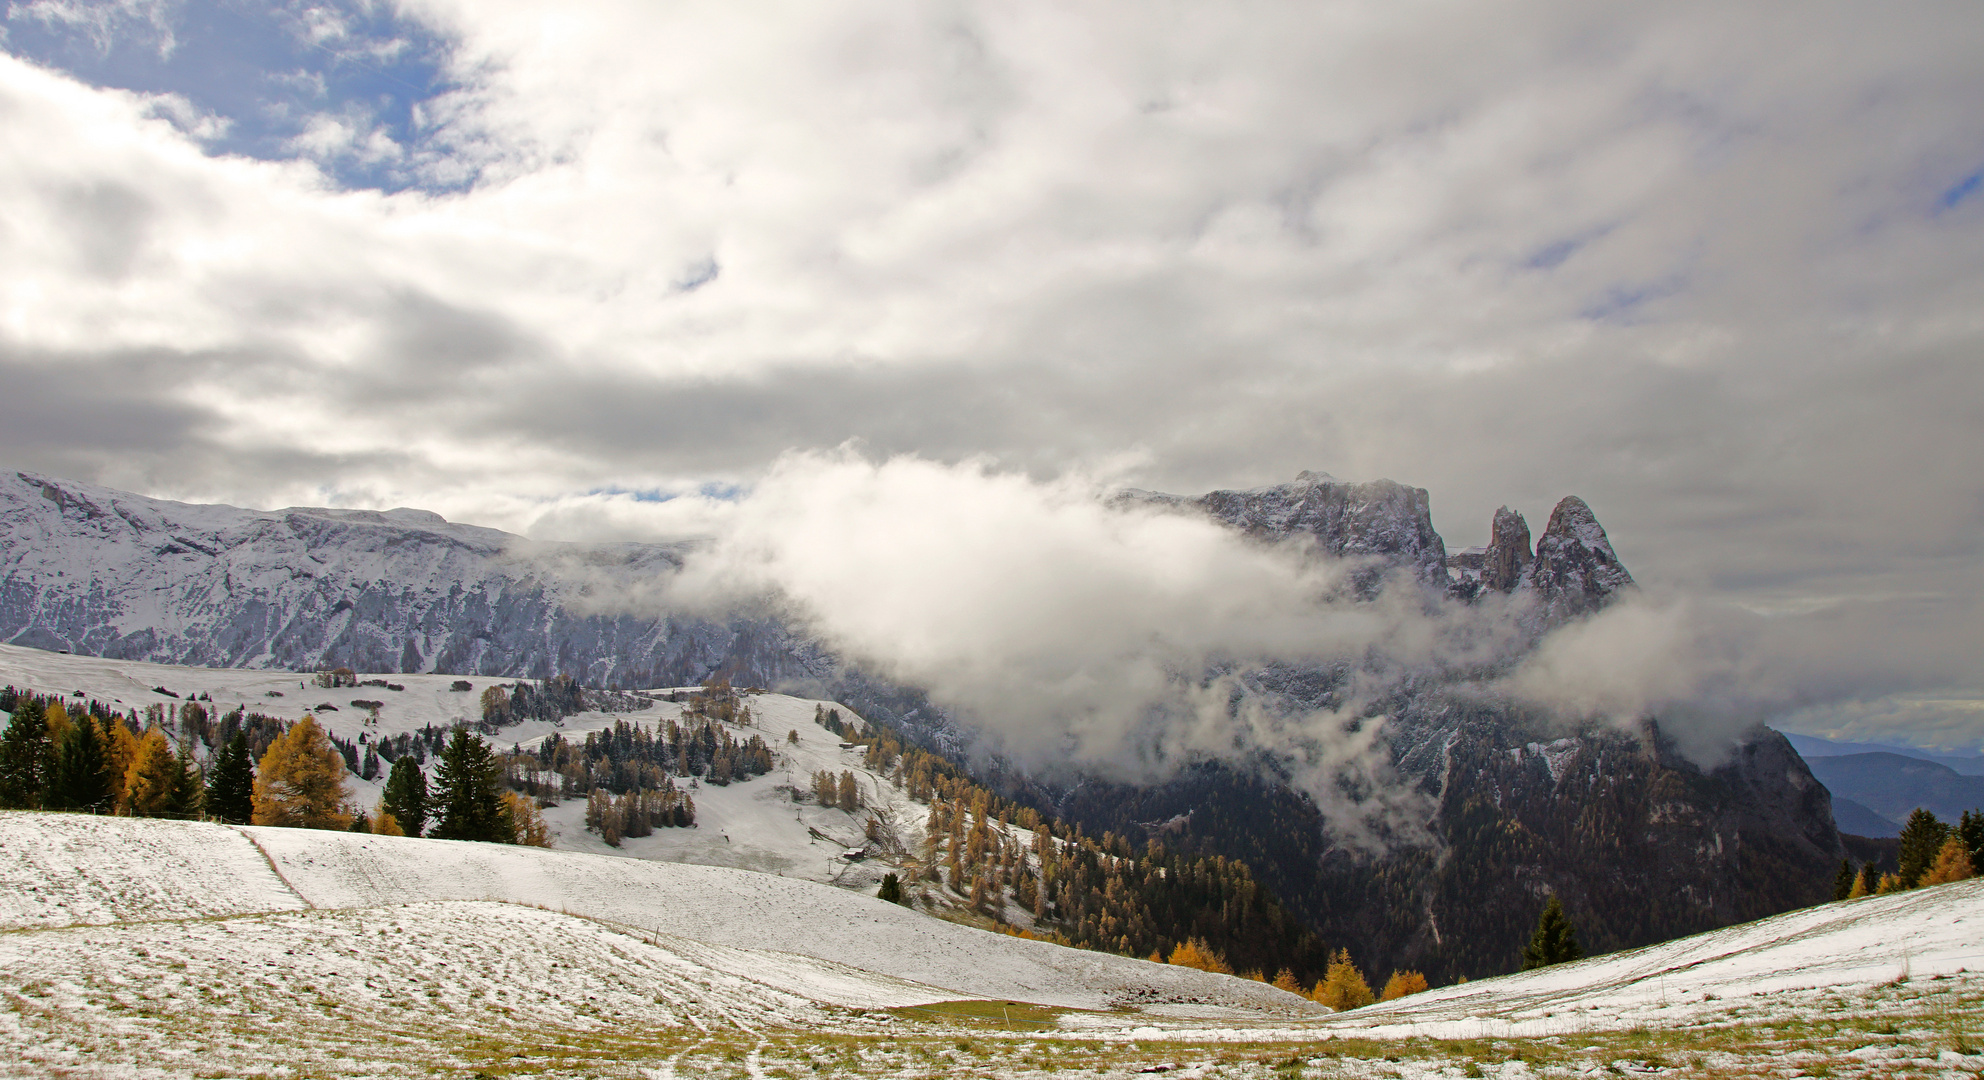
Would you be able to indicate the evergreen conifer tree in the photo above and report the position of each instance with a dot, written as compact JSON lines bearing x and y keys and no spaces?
{"x":231,"y":782}
{"x":406,"y":795}
{"x":80,"y":779}
{"x":1842,"y":882}
{"x":1921,"y":839}
{"x":27,"y":757}
{"x":1554,"y":942}
{"x":1870,"y":880}
{"x":188,"y":797}
{"x":468,"y":798}
{"x":891,"y":889}
{"x":1970,"y":828}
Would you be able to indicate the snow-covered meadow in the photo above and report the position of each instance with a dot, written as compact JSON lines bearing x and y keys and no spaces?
{"x":752,"y":824}
{"x":136,"y":947}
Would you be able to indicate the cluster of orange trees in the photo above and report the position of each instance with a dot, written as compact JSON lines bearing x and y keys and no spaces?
{"x":1342,"y":987}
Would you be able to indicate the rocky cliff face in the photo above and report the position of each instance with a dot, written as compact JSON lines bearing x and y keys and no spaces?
{"x":1640,"y":842}
{"x":1383,"y":524}
{"x":1508,"y":554}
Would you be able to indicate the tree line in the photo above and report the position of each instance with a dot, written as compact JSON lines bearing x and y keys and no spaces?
{"x":262,"y":771}
{"x":1932,"y":852}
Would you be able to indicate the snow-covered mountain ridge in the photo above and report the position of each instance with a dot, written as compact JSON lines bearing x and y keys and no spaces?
{"x":92,"y":570}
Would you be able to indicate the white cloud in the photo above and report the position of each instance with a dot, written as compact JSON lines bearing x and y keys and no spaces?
{"x":107,"y":21}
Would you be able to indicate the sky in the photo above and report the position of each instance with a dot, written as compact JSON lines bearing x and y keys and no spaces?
{"x":597,"y":271}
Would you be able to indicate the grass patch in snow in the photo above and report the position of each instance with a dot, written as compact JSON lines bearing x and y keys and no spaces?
{"x":1004,"y":1015}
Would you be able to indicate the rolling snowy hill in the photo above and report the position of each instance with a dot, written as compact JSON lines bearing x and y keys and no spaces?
{"x":136,"y":947}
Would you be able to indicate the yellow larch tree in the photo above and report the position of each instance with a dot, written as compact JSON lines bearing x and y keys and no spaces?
{"x":148,"y":781}
{"x":1343,"y":988}
{"x":120,"y":749}
{"x":1194,"y":953}
{"x":1402,"y":983}
{"x":529,"y":824}
{"x":1952,"y":864}
{"x":300,"y":783}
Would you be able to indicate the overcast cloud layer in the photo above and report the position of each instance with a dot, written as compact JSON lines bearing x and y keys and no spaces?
{"x":1720,"y":272}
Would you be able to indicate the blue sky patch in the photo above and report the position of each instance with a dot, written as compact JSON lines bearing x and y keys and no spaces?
{"x":1551,"y":256}
{"x":1961,"y":190}
{"x":334,"y":81}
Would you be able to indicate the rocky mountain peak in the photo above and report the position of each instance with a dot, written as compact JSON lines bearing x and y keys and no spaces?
{"x":1575,"y":568}
{"x":1381,"y":518}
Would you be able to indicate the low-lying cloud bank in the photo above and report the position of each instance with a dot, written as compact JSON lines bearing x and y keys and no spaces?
{"x":1071,"y":629}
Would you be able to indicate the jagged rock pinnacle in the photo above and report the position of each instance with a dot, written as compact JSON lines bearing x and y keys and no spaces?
{"x":1508,"y":553}
{"x":1575,"y":568}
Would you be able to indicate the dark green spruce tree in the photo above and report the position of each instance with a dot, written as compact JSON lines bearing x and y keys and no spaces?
{"x":189,"y":796}
{"x":1842,"y":882}
{"x":27,"y":757}
{"x":891,"y":888}
{"x":231,"y":782}
{"x":467,"y":802}
{"x":1554,"y":942}
{"x":405,"y":796}
{"x":81,"y":777}
{"x":1970,"y":829}
{"x":1921,"y":839}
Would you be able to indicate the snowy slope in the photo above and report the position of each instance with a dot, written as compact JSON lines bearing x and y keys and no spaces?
{"x":1782,"y":968}
{"x":181,"y":949}
{"x":55,"y":870}
{"x":1933,"y":934}
{"x":126,"y":862}
{"x":753,"y":824}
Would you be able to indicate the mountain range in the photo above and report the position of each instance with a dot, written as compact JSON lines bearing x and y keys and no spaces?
{"x":1641,"y":843}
